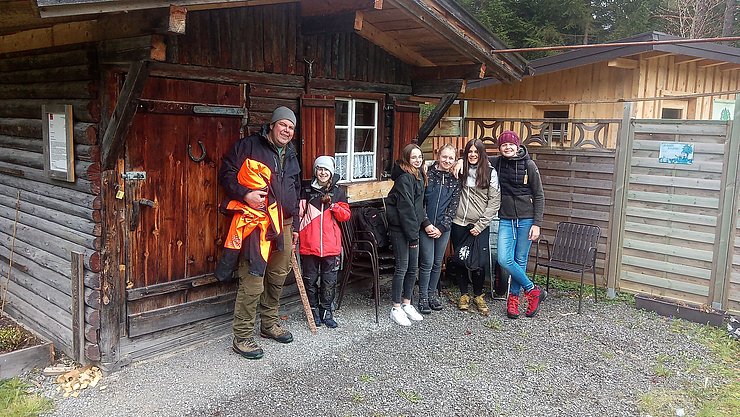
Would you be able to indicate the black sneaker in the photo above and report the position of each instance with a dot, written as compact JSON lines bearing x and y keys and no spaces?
{"x":435,"y":304}
{"x":247,"y":348}
{"x":277,"y":333}
{"x":424,"y":306}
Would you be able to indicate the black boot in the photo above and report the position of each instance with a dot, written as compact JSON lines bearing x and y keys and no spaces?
{"x":328,"y":318}
{"x":316,"y":316}
{"x":424,"y":306}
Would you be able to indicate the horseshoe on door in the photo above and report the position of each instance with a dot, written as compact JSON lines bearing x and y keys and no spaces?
{"x":202,"y":152}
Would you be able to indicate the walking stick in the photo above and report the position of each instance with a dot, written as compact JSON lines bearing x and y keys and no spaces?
{"x":302,"y":292}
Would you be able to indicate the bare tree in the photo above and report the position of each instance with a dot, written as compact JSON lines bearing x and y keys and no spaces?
{"x":728,"y":27}
{"x":694,"y":18}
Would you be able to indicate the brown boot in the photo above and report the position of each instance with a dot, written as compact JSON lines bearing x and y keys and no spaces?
{"x":247,"y":348}
{"x":481,"y":305}
{"x":277,"y":333}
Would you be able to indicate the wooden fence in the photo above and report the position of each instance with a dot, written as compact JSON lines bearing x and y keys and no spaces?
{"x":668,"y":229}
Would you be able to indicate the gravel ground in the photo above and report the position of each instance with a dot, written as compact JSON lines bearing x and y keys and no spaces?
{"x":453,"y":363}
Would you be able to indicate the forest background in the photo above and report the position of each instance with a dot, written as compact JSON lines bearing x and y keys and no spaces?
{"x":536,"y":23}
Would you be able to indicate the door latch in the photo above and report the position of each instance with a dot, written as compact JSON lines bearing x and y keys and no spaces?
{"x":136,"y":211}
{"x":134,"y":175}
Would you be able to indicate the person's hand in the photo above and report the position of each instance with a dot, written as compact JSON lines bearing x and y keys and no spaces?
{"x":295,"y":238}
{"x":456,"y":169}
{"x":474,"y":232}
{"x":256,"y":199}
{"x":534,"y":233}
{"x":433,"y":232}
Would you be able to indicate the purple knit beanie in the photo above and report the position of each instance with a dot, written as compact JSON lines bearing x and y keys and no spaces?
{"x":507,"y":136}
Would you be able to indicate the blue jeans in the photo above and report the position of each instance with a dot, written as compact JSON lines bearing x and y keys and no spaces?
{"x":431,"y":254}
{"x":407,"y":264}
{"x":513,"y":252}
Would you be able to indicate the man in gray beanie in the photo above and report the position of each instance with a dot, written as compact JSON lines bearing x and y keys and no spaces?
{"x":270,"y":150}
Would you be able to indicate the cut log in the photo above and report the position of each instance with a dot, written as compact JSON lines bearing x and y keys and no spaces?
{"x":52,"y":90}
{"x":83,"y":110}
{"x":73,"y":222}
{"x":58,"y":74}
{"x":39,"y":175}
{"x":58,"y":197}
{"x":84,"y":133}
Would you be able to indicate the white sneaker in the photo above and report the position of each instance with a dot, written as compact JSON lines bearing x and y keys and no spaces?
{"x":411,"y":312}
{"x":399,"y":316}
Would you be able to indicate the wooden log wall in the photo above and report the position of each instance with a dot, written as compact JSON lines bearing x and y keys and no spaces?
{"x":664,"y":76}
{"x":54,"y":217}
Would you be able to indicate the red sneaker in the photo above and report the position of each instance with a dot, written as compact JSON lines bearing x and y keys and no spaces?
{"x":512,"y":306}
{"x":535,"y":296}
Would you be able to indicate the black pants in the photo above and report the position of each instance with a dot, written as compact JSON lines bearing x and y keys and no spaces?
{"x":478,"y":276}
{"x":320,"y":295}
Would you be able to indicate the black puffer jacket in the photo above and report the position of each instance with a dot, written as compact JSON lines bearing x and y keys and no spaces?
{"x":405,"y":205}
{"x":522,"y":196}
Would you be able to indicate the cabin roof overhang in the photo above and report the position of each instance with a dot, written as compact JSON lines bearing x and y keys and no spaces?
{"x":718,"y":53}
{"x":426,"y":34}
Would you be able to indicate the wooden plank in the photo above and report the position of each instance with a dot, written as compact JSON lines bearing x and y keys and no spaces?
{"x":695,"y":128}
{"x":668,"y":249}
{"x":664,"y":283}
{"x":123,"y":114}
{"x":669,"y":232}
{"x":677,"y":199}
{"x":111,"y":276}
{"x":154,"y":290}
{"x":668,"y":267}
{"x":697,"y":166}
{"x":78,"y":307}
{"x":680,"y":182}
{"x":702,"y":148}
{"x":83,"y":110}
{"x":390,"y":44}
{"x":165,"y":318}
{"x":689,"y":218}
{"x":20,"y":361}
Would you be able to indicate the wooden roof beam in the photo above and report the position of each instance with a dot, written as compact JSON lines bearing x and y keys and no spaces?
{"x":106,"y":27}
{"x":435,"y":116}
{"x":437,"y":88}
{"x":50,"y":8}
{"x":625,"y":63}
{"x":462,"y":41}
{"x":656,"y":55}
{"x":392,"y":46}
{"x":710,"y":64}
{"x":329,"y":7}
{"x":686,"y":60}
{"x":468,"y":72}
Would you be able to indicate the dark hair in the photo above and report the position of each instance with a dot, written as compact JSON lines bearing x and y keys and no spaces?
{"x":483,"y":171}
{"x":405,"y":161}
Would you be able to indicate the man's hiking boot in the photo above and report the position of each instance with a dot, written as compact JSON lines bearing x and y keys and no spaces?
{"x":424,"y":306}
{"x":247,"y":348}
{"x":328,"y":317}
{"x":535,"y":297}
{"x":481,"y":305}
{"x":464,"y":303}
{"x":277,"y":333}
{"x":316,"y":317}
{"x":435,"y":304}
{"x":512,"y":306}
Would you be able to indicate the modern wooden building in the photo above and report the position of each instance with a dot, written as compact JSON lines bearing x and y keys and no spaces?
{"x":114,"y":116}
{"x":694,"y":81}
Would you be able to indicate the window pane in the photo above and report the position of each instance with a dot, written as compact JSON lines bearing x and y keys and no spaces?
{"x":364,"y":139}
{"x":363,"y":166}
{"x":341,"y":115}
{"x":341,"y":168}
{"x":340,"y":144}
{"x":364,"y":114}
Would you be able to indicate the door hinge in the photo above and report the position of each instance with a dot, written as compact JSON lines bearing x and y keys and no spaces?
{"x":134,"y":175}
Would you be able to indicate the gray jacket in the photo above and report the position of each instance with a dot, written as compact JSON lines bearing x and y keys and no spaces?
{"x":478,"y":206}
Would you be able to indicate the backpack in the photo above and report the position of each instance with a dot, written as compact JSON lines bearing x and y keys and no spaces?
{"x":468,"y":254}
{"x":370,"y":219}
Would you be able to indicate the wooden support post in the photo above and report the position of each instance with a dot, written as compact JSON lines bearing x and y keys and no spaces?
{"x":124,"y":112}
{"x":435,"y":116}
{"x":78,"y":307}
{"x":621,"y":180}
{"x":724,"y":239}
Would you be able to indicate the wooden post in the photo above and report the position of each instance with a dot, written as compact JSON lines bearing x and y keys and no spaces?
{"x":621,"y":180}
{"x":436,"y":116}
{"x":78,"y":307}
{"x":724,"y":239}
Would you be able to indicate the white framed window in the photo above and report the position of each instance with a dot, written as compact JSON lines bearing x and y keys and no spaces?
{"x":356,"y":141}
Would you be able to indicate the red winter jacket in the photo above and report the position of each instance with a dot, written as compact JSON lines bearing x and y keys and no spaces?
{"x":319,"y":232}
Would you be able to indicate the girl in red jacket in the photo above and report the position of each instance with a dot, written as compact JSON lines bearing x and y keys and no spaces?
{"x":323,"y":204}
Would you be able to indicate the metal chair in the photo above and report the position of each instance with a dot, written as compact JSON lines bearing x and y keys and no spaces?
{"x":360,"y":259}
{"x":573,"y":250}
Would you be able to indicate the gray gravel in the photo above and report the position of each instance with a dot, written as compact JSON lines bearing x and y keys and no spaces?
{"x":453,"y":364}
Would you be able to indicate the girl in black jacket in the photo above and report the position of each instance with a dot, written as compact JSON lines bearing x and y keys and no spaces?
{"x":406,"y":218}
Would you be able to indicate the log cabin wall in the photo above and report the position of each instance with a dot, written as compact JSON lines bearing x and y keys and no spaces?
{"x":55,"y":218}
{"x":663,"y":76}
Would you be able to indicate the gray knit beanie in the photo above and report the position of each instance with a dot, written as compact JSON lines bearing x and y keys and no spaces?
{"x":324,"y":161}
{"x":283,"y":113}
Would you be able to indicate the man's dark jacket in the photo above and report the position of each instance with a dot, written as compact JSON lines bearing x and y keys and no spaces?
{"x":285,"y":178}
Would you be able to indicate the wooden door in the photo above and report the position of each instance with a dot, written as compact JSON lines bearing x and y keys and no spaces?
{"x":177,"y":139}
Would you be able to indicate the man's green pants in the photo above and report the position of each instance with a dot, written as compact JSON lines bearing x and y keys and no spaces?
{"x":266,"y":291}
